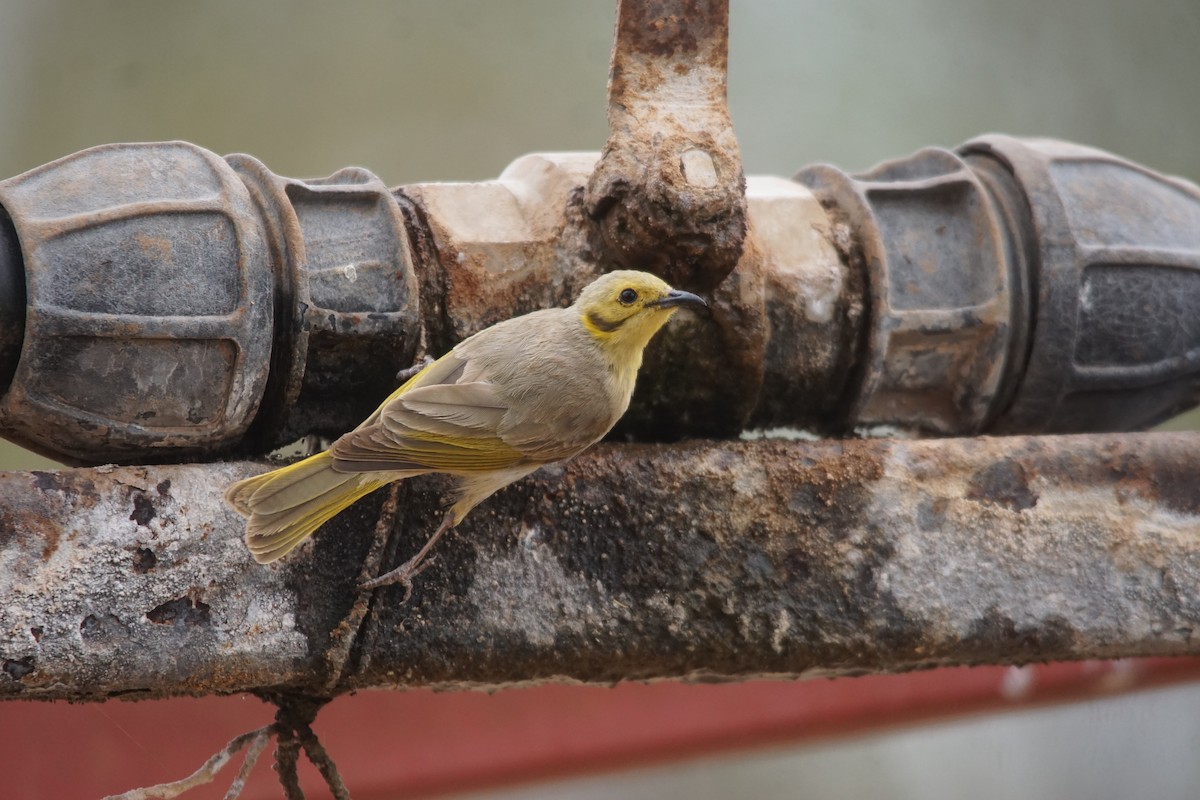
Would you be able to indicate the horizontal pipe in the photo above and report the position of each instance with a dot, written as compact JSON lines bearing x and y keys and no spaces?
{"x":698,"y":560}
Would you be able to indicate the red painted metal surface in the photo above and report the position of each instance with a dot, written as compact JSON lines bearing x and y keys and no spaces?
{"x":421,"y":743}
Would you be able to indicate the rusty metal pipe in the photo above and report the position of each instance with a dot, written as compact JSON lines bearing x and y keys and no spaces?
{"x":1021,"y":285}
{"x":179,"y":305}
{"x":699,"y":560}
{"x":1015,"y":285}
{"x":668,"y":194}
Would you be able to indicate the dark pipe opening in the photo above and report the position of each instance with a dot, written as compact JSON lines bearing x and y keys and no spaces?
{"x":12,"y":300}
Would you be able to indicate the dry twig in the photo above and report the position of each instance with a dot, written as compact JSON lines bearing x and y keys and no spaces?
{"x":320,"y":758}
{"x":292,"y":730}
{"x":207,"y":771}
{"x":252,"y":753}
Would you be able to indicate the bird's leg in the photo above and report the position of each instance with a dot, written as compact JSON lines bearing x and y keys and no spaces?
{"x":410,"y":569}
{"x":406,"y":373}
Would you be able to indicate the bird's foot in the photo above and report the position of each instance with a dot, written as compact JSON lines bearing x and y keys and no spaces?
{"x":402,"y":575}
{"x":406,"y":373}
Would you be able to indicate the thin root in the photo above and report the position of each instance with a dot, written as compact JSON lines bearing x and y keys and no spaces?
{"x":208,"y":770}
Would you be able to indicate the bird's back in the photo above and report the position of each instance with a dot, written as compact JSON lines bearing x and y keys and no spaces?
{"x":555,"y":380}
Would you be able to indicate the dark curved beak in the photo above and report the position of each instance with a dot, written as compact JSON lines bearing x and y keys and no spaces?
{"x":675,"y":298}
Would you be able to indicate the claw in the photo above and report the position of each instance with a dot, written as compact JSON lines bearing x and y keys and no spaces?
{"x":402,"y":575}
{"x":403,"y":375}
{"x":410,"y":569}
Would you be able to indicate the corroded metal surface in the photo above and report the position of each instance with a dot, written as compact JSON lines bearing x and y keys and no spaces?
{"x":160,"y":303}
{"x":668,"y":194}
{"x":347,"y":301}
{"x":1021,"y":286}
{"x":113,"y":576}
{"x":946,"y":323}
{"x":494,"y":249}
{"x":631,"y":562}
{"x":266,"y":308}
{"x":778,"y":349}
{"x":1114,"y":334}
{"x":148,"y":305}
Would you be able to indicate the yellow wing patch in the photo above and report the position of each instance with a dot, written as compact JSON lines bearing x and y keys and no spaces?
{"x":376,"y":449}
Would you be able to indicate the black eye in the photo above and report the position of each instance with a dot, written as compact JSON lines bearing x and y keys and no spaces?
{"x":627,"y":297}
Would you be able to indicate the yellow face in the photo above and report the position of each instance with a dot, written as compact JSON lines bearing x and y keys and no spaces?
{"x":627,"y":307}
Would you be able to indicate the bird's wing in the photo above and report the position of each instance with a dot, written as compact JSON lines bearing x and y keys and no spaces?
{"x":447,"y":369}
{"x":446,"y":419}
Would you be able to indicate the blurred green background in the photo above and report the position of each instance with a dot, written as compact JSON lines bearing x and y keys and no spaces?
{"x":452,"y":90}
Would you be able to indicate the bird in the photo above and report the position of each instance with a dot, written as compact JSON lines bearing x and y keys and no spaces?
{"x":529,"y":391}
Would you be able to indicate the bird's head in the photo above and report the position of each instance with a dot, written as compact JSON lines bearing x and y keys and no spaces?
{"x":624,"y":309}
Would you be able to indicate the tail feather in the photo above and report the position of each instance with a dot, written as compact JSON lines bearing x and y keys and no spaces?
{"x":296,"y":484}
{"x":287,"y":505}
{"x":273,"y":536}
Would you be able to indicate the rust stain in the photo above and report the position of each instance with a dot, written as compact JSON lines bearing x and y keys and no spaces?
{"x":1179,"y":490}
{"x":1004,"y":483}
{"x":843,"y":466}
{"x":664,"y":31}
{"x":1132,"y":479}
{"x":1172,"y":483}
{"x":469,"y":284}
{"x":157,"y":248}
{"x":30,"y":528}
